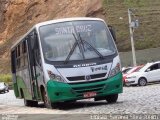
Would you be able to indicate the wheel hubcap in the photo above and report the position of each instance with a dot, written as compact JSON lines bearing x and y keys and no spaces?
{"x":142,"y":82}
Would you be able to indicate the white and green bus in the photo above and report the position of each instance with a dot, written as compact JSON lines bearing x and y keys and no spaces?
{"x":66,"y":60}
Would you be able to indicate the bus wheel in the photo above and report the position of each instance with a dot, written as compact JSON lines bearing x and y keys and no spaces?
{"x":71,"y":101}
{"x":47,"y":103}
{"x":27,"y":102}
{"x":34,"y":103}
{"x":30,"y":103}
{"x":112,"y":98}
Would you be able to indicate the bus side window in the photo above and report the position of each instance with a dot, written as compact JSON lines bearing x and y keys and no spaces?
{"x":21,"y":56}
{"x":18,"y":57}
{"x":24,"y":51}
{"x":13,"y":61}
{"x":37,"y":52}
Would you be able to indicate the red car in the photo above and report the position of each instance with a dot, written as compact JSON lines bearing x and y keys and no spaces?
{"x":134,"y":69}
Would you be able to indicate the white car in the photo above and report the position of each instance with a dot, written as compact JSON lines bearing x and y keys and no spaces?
{"x":3,"y":87}
{"x":126,"y":69}
{"x":149,"y":73}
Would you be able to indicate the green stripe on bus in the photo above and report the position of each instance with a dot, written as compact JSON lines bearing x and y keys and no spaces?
{"x":21,"y":85}
{"x":58,"y":91}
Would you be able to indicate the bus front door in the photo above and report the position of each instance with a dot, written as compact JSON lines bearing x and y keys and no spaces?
{"x":32,"y":48}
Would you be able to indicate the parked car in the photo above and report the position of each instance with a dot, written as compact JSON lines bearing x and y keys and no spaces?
{"x":132,"y":70}
{"x":3,"y":87}
{"x":149,"y":73}
{"x":126,"y":69}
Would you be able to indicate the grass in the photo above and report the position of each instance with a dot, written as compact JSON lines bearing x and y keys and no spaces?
{"x":7,"y":78}
{"x":142,"y":56}
{"x":147,"y":12}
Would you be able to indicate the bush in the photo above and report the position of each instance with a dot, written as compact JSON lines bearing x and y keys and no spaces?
{"x":7,"y":78}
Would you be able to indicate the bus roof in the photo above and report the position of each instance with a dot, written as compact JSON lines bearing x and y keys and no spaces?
{"x":54,"y":21}
{"x":66,"y":19}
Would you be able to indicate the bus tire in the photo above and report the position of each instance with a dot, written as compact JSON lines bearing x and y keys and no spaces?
{"x":27,"y":102}
{"x":47,"y":103}
{"x":70,"y":101}
{"x":30,"y":103}
{"x":34,"y":103}
{"x":112,"y":98}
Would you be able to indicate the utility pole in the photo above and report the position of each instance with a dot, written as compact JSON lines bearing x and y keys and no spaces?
{"x":132,"y":25}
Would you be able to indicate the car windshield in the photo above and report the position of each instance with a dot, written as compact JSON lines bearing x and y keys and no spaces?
{"x":79,"y":39}
{"x":145,"y":67}
{"x":138,"y":70}
{"x":135,"y":69}
{"x":126,"y":70}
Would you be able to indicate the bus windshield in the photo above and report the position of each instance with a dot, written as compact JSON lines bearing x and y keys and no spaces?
{"x":76,"y":40}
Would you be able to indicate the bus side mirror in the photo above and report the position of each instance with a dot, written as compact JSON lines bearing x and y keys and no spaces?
{"x":113,"y":33}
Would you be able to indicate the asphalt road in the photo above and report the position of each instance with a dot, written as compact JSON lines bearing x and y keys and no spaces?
{"x":133,"y":100}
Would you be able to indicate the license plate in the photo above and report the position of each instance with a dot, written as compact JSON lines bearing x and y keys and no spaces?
{"x":89,"y":94}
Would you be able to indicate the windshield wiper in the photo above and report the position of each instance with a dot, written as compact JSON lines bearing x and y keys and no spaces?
{"x":73,"y":48}
{"x":81,"y":47}
{"x":84,"y":41}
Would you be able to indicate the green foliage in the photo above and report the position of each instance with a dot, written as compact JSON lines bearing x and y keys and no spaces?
{"x":107,"y":2}
{"x":128,"y":3}
{"x":135,"y":3}
{"x":147,"y":12}
{"x":142,"y":56}
{"x":7,"y":78}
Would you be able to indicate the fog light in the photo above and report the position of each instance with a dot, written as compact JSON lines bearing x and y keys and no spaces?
{"x":117,"y":86}
{"x":57,"y":94}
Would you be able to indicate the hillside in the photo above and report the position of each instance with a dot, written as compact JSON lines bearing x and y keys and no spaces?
{"x":148,"y":14}
{"x":18,"y":16}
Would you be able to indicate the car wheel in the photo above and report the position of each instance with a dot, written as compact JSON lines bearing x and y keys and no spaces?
{"x":71,"y":101}
{"x":127,"y":84}
{"x":34,"y":103}
{"x":142,"y":82}
{"x":112,"y":98}
{"x":124,"y":83}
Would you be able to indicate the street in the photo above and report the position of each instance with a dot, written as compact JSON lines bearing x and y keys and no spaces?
{"x":138,"y":100}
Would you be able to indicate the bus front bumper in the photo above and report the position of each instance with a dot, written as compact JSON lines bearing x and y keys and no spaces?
{"x":59,"y":92}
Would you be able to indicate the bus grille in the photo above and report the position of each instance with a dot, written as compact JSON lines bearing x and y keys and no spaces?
{"x":93,"y":88}
{"x":80,"y":78}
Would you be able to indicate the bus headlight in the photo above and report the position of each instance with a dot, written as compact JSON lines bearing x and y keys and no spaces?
{"x":58,"y":78}
{"x":114,"y":70}
{"x":55,"y":77}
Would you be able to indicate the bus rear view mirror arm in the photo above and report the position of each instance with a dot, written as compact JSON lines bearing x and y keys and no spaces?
{"x":112,"y":31}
